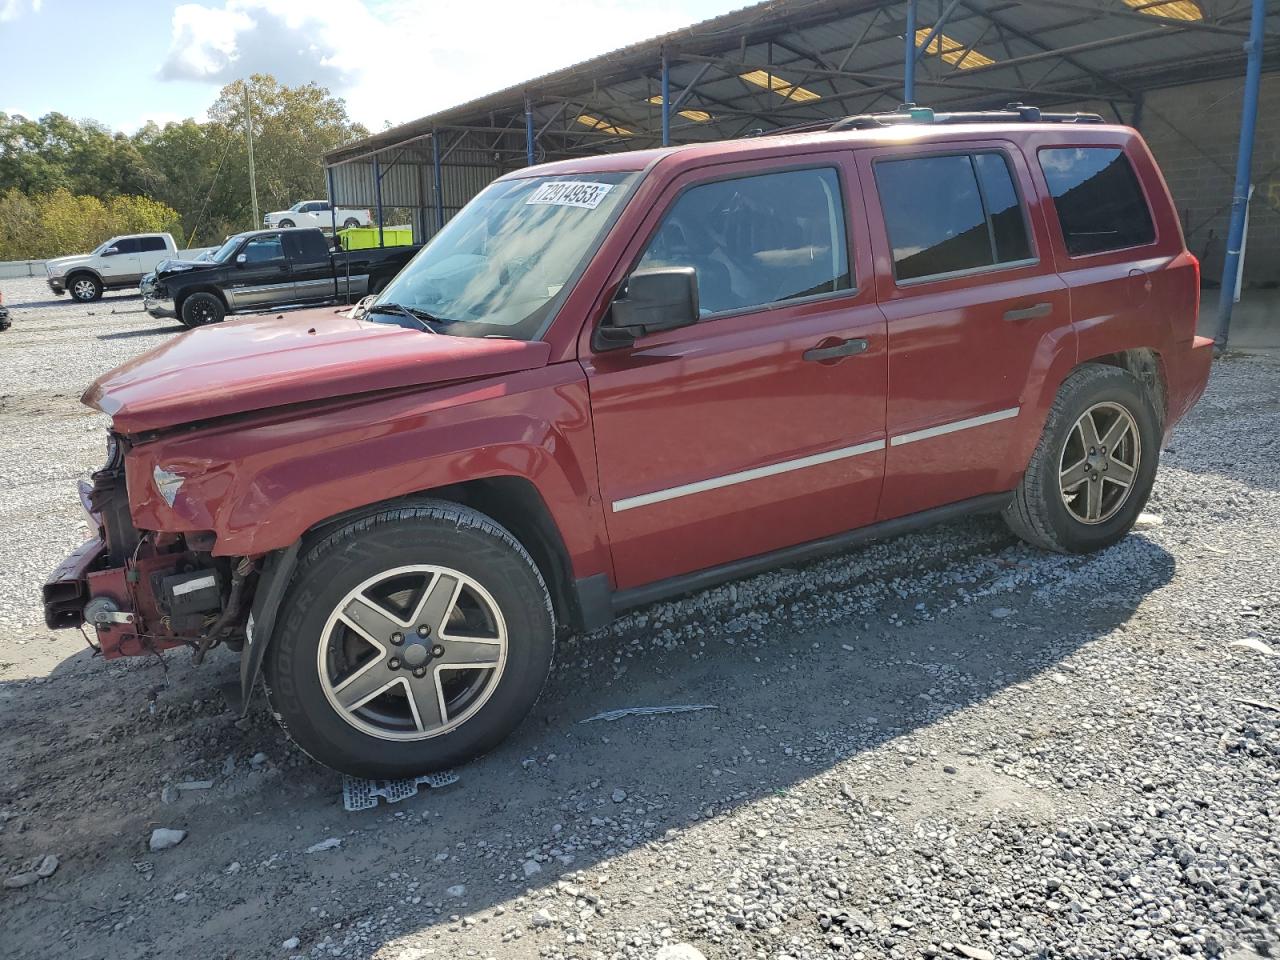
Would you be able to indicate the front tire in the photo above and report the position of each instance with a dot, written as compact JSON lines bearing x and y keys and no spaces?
{"x":202,"y":309}
{"x":84,"y":288}
{"x":285,"y":224}
{"x":1093,"y":470}
{"x":410,"y":641}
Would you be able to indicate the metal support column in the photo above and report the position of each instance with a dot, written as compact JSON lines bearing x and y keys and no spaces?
{"x":528,"y":131}
{"x":439,"y":178}
{"x":666,"y":98}
{"x":333,"y":207}
{"x":909,"y":56}
{"x":1244,"y":167}
{"x":918,"y":50}
{"x":377,"y":194}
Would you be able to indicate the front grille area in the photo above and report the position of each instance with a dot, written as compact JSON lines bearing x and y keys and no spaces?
{"x":109,"y":499}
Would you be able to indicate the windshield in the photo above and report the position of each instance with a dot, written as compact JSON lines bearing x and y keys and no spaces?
{"x":499,"y":266}
{"x":223,"y":253}
{"x":105,"y":245}
{"x":297,"y":207}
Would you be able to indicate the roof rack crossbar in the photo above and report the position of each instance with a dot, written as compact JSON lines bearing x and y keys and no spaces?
{"x":910,"y":113}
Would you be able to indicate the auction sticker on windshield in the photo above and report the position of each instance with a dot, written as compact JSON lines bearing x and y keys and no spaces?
{"x":571,"y":193}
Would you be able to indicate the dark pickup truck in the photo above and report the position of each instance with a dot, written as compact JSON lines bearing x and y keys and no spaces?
{"x":266,"y":269}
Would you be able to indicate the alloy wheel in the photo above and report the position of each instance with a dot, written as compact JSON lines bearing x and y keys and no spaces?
{"x":413,"y":652}
{"x":84,"y":289}
{"x":1099,"y":463}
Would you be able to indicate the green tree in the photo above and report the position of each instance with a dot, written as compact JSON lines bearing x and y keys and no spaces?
{"x":43,"y":225}
{"x":199,"y":169}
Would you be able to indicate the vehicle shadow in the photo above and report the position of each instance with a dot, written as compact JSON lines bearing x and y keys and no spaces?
{"x":801,"y":681}
{"x":107,"y":299}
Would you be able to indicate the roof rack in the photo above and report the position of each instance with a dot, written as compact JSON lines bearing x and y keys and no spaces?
{"x":910,"y":113}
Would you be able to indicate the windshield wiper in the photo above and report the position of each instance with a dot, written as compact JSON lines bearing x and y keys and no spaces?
{"x":419,"y":317}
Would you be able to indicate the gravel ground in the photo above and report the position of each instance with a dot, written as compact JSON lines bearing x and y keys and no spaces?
{"x":944,"y":745}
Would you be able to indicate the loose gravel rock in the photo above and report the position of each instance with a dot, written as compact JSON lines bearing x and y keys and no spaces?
{"x":942,"y":745}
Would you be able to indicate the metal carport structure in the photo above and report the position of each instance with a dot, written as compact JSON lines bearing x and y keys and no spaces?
{"x":784,"y":63}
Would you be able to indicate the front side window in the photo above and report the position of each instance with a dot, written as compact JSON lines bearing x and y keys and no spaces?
{"x":1099,"y":201}
{"x":125,"y":245}
{"x":263,"y":250}
{"x":499,"y":266}
{"x":757,"y":240}
{"x":951,"y":214}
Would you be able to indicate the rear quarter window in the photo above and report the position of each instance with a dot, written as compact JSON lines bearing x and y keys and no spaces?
{"x":1099,"y":201}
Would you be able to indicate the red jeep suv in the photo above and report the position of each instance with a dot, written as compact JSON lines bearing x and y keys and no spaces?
{"x":618,"y":378}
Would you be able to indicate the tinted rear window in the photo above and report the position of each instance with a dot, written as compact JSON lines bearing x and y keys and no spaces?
{"x":151,"y":244}
{"x":941,"y":221}
{"x":1099,"y":201}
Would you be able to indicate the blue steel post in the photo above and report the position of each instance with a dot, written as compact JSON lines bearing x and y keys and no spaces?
{"x":666,"y":99}
{"x":1244,"y":166}
{"x":377,"y":194}
{"x":909,"y":56}
{"x":528,"y":130}
{"x":439,"y":179}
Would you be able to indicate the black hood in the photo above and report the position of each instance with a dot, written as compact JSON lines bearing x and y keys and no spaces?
{"x":166,"y":267}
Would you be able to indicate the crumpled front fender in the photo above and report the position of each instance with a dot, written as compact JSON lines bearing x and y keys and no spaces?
{"x":259,"y":483}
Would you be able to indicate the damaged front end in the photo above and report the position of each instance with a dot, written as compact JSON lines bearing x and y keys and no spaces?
{"x":146,"y":591}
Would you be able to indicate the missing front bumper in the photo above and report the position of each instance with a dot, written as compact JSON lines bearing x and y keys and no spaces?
{"x":67,"y":590}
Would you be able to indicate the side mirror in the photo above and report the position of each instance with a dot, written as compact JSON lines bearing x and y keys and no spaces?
{"x":110,"y":252}
{"x":241,"y":260}
{"x":651,"y":300}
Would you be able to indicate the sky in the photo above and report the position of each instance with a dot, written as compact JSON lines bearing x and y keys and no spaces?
{"x":126,"y":62}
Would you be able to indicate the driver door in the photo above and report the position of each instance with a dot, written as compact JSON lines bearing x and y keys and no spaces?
{"x":262,"y":276}
{"x":762,"y":425}
{"x":121,"y":268}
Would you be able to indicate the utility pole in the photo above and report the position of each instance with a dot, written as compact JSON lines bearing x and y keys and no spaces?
{"x":248,"y":132}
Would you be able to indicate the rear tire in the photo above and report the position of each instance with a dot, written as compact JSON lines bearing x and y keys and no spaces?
{"x":1093,"y":469}
{"x":364,"y":688}
{"x":84,"y":287}
{"x":350,"y":222}
{"x":202,"y":309}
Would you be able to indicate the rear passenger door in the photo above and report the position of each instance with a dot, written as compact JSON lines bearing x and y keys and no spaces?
{"x":975,"y":311}
{"x":310,"y":264}
{"x":151,"y":251}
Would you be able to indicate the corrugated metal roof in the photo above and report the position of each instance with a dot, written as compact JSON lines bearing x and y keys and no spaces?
{"x":1112,"y":52}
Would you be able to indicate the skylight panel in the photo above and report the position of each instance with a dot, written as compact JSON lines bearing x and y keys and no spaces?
{"x":952,"y":50}
{"x":788,"y":91}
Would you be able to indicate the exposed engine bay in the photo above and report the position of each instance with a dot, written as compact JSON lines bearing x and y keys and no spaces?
{"x":142,"y":591}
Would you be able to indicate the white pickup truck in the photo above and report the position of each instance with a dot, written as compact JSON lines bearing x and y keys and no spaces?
{"x":118,"y":263}
{"x":316,"y":213}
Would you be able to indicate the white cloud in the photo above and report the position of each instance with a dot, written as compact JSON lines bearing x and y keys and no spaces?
{"x":403,"y":59}
{"x":13,"y":9}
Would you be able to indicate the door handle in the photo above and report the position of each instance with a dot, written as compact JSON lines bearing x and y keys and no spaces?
{"x":1029,"y":313}
{"x":844,"y":348}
